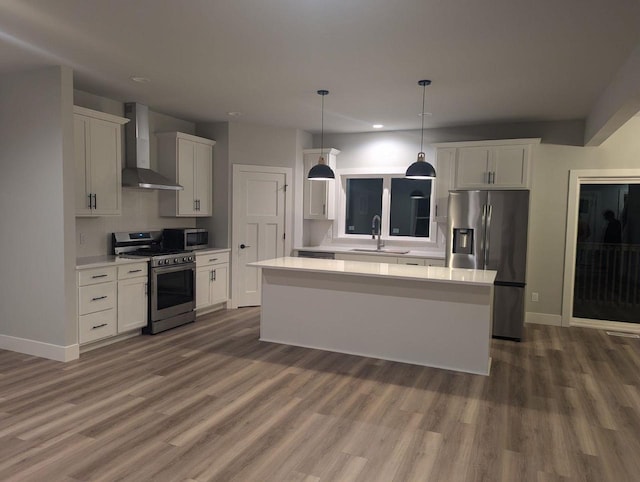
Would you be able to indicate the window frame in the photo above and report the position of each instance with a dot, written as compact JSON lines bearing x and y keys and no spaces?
{"x":339,"y":226}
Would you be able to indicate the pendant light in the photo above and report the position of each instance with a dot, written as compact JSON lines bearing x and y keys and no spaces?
{"x":421,"y":169}
{"x":321,"y":171}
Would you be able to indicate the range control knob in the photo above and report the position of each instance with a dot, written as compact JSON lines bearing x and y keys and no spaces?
{"x":176,"y":260}
{"x":185,"y":259}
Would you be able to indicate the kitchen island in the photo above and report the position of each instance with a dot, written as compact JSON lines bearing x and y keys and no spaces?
{"x":431,"y":316}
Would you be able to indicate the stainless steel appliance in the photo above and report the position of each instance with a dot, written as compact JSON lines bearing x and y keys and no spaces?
{"x":185,"y":238}
{"x":172,"y":278}
{"x":488,"y":230}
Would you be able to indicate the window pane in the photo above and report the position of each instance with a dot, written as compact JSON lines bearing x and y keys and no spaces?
{"x":410,"y":207}
{"x":607,"y":280}
{"x":364,"y":200}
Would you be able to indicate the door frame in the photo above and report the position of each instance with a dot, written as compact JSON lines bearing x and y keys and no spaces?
{"x":235,"y":232}
{"x":576,"y":178}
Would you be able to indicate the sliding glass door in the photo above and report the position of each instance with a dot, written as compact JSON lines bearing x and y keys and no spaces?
{"x":607,"y":257}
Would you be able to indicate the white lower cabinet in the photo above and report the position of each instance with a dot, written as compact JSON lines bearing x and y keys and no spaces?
{"x":111,"y":300}
{"x":132,"y":297}
{"x":212,"y":279}
{"x":369,"y":258}
{"x":96,"y":304}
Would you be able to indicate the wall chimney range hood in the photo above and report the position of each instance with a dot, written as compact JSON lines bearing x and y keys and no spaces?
{"x":137,"y":172}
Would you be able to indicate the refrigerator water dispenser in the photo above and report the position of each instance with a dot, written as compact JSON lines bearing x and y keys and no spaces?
{"x":463,"y":241}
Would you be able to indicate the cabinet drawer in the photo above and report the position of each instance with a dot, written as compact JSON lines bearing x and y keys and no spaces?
{"x":411,"y":261}
{"x":99,"y":325}
{"x":434,"y":262}
{"x":132,"y":271}
{"x":96,"y":275}
{"x":96,"y":298}
{"x":205,"y":259}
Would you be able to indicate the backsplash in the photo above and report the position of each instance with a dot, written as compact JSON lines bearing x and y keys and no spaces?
{"x":140,"y":211}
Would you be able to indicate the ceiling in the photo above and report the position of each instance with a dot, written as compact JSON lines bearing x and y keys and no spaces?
{"x":496,"y":61}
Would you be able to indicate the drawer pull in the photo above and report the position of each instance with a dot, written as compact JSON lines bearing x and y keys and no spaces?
{"x":99,"y":276}
{"x":413,"y":264}
{"x":134,"y":270}
{"x":99,"y":326}
{"x":97,"y":298}
{"x":213,"y":259}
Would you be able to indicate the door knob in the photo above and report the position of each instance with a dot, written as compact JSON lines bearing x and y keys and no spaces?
{"x":242,"y":246}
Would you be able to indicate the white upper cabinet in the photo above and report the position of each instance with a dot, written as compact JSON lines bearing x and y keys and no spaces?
{"x":493,"y":164}
{"x":98,"y":161}
{"x":187,"y":160}
{"x":319,"y":196}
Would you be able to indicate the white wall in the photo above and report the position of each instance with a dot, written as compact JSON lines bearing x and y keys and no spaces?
{"x":37,"y":299}
{"x":140,"y":207}
{"x":548,"y":222}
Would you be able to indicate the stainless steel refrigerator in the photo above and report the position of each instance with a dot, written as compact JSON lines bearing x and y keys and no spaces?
{"x":488,"y":230}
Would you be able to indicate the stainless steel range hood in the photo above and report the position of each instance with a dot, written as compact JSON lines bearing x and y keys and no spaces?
{"x":137,"y":172}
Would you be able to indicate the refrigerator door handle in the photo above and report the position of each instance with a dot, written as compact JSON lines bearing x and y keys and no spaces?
{"x":487,"y":235}
{"x":483,"y":246}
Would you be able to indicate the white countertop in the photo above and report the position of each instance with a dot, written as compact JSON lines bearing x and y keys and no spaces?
{"x":107,"y":260}
{"x":413,"y":253}
{"x":211,"y":250}
{"x":111,"y":260}
{"x":382,"y":270}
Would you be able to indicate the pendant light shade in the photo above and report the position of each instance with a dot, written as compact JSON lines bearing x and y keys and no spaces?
{"x":321,"y":171}
{"x":421,"y":169}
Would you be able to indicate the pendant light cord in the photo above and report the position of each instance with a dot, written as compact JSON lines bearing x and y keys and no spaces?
{"x":322,"y":129}
{"x":424,"y":90}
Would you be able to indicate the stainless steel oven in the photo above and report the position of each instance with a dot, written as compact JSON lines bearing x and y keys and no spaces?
{"x":172,"y":278}
{"x":172,"y":292}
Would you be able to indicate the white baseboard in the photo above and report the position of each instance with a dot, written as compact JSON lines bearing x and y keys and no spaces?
{"x":39,"y":348}
{"x":542,"y":319}
{"x":606,"y":325}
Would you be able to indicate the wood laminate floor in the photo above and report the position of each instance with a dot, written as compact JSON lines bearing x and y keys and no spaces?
{"x":208,"y":401}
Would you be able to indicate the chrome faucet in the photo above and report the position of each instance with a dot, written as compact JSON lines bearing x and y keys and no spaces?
{"x":376,"y":230}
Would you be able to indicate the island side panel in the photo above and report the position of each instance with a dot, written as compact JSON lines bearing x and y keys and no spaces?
{"x":427,"y":323}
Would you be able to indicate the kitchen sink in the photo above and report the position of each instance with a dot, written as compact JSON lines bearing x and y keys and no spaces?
{"x":383,"y":250}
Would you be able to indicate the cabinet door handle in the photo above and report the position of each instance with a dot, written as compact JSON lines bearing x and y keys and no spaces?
{"x":95,"y":201}
{"x":214,"y":275}
{"x":211,"y":275}
{"x":134,"y":270}
{"x":212,"y":260}
{"x":99,"y":276}
{"x":98,"y":298}
{"x":99,"y":326}
{"x":195,"y":205}
{"x":90,"y":199}
{"x":493,"y":177}
{"x":412,"y":264}
{"x":324,"y":209}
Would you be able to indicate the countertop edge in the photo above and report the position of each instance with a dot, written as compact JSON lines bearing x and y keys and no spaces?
{"x":421,"y":272}
{"x":413,"y":253}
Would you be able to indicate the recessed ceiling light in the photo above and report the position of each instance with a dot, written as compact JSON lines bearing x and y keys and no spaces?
{"x":234,"y":114}
{"x":139,"y":79}
{"x":377,"y":126}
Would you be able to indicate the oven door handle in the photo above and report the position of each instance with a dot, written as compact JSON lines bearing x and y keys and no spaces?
{"x":171,"y":269}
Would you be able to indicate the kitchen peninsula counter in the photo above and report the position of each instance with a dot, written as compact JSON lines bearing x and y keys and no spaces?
{"x":431,"y":316}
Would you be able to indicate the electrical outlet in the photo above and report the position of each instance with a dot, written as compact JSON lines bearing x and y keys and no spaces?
{"x":534,"y":296}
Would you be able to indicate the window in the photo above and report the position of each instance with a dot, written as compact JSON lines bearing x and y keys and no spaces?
{"x":410,"y":213}
{"x":364,"y":201}
{"x":403,"y":204}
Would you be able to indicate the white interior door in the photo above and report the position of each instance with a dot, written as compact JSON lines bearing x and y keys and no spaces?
{"x":260,"y":208}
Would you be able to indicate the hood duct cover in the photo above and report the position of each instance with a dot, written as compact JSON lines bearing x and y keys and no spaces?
{"x":137,"y":172}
